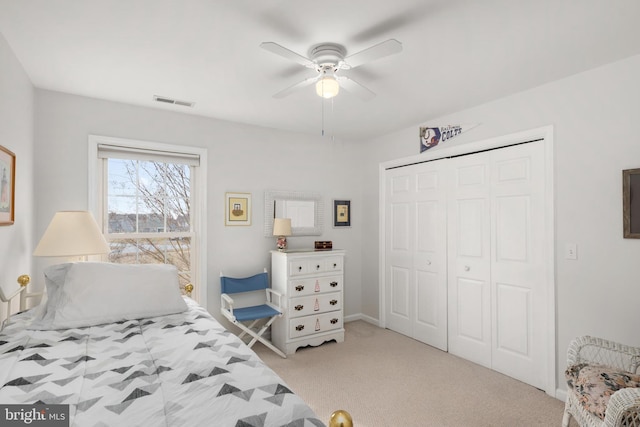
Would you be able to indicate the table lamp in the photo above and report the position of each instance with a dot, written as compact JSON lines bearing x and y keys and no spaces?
{"x":72,"y":234}
{"x":282,"y":229}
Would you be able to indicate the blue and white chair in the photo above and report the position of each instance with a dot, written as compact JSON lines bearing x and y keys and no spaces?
{"x":268,"y":311}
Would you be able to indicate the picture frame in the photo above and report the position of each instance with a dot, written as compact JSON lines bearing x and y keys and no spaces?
{"x":342,"y":213}
{"x":237,"y":209}
{"x":7,"y":186}
{"x":631,"y":203}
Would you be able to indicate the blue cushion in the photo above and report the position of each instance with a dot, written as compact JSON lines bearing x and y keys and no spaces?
{"x":255,"y":312}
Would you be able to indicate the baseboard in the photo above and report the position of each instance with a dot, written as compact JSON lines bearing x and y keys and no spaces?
{"x":561,"y":395}
{"x":360,"y":316}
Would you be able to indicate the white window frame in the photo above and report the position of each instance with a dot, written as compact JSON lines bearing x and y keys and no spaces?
{"x":96,"y":187}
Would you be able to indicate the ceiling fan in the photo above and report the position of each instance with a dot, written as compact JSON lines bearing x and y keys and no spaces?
{"x":327,"y":59}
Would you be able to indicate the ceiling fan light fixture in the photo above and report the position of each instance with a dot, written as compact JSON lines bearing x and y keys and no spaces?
{"x":327,"y":87}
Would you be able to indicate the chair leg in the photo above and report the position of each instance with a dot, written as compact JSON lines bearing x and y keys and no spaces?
{"x":566,"y":419}
{"x":258,"y":336}
{"x":260,"y":332}
{"x":245,"y":332}
{"x":272,"y":347}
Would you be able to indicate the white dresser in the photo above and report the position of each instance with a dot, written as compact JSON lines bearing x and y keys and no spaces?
{"x":312,"y":285}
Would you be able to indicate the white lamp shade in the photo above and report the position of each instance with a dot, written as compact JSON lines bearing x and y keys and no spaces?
{"x":72,"y":233}
{"x":327,"y":87}
{"x":282,"y":226}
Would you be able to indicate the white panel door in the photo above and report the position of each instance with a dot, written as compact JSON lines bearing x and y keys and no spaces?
{"x":469,"y":259}
{"x":518,"y":270}
{"x":416,"y":298}
{"x":399,"y":250}
{"x":430,"y":255}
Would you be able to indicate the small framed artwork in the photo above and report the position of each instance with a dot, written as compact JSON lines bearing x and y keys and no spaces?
{"x":631,"y":203}
{"x":342,"y":213}
{"x":7,"y":186}
{"x":238,"y":209}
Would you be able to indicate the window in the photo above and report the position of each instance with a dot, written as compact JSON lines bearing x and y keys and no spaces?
{"x":148,"y":206}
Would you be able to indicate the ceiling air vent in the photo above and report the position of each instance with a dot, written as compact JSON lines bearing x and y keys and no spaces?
{"x":173,"y":101}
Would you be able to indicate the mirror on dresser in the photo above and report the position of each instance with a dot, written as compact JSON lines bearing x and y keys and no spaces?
{"x":304,"y":208}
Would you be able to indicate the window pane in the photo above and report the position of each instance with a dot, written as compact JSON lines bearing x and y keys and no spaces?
{"x":122,"y":222}
{"x":179,"y":252}
{"x":150,"y":223}
{"x":149,"y":197}
{"x":176,"y":251}
{"x":122,"y":178}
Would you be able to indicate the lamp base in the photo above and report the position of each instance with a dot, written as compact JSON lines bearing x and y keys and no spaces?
{"x":281,"y":243}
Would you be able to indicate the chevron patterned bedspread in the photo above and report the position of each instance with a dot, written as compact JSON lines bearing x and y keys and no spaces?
{"x":178,"y":370}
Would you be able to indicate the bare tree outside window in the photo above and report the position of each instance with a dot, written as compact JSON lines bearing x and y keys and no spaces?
{"x":149,"y":214}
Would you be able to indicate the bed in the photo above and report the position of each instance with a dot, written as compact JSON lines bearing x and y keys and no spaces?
{"x":122,"y":347}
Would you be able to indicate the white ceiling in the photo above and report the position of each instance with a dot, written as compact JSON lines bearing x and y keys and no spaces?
{"x":456,"y":53}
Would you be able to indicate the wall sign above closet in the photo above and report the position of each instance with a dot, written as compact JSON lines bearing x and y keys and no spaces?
{"x":432,"y":136}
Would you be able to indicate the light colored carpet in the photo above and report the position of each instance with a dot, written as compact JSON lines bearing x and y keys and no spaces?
{"x":385,"y":379}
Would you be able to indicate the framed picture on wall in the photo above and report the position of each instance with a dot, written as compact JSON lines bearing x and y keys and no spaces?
{"x":7,"y":186}
{"x":631,"y":203}
{"x":342,"y":213}
{"x":237,"y":209}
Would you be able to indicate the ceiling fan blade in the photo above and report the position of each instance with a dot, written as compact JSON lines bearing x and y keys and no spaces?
{"x":286,"y":53}
{"x":293,"y":88}
{"x":355,"y":88}
{"x":386,"y":48}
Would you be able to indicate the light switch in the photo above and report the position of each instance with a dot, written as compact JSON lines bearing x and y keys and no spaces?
{"x":571,"y":251}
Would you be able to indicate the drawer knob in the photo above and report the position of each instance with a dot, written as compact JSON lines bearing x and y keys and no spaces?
{"x":333,"y":302}
{"x":334,"y":321}
{"x":299,"y":328}
{"x":318,"y":267}
{"x":299,"y":288}
{"x":335,"y":265}
{"x":299,"y":307}
{"x":299,"y":268}
{"x":333,"y":284}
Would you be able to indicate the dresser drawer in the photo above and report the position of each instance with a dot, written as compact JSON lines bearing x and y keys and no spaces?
{"x":302,"y":266}
{"x":303,"y":326}
{"x":316,"y":285}
{"x":315,"y":304}
{"x":333,"y":263}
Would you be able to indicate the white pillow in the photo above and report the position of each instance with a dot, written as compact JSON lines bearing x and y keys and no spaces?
{"x":93,"y":293}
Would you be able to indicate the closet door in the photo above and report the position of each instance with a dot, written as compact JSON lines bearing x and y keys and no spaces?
{"x":416,"y":295}
{"x":497,"y":272}
{"x":518,"y":270}
{"x":469,"y":257}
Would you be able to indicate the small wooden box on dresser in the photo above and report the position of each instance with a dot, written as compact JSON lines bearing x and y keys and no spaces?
{"x":312,"y":285}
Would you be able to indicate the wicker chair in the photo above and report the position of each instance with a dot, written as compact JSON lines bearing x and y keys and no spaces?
{"x":623,"y":408}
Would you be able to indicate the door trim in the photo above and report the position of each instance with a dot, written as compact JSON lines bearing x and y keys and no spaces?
{"x":545,"y":134}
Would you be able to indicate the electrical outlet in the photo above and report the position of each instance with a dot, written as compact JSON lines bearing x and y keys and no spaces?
{"x":571,"y":251}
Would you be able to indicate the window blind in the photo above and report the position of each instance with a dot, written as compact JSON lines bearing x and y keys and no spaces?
{"x":110,"y":151}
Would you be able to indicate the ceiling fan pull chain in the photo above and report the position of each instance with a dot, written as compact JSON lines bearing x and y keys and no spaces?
{"x":322,"y":101}
{"x":333,"y":134}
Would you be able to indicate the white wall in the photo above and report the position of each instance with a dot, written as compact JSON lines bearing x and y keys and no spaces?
{"x":595,"y":116}
{"x":241,"y":158}
{"x":16,"y":134}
